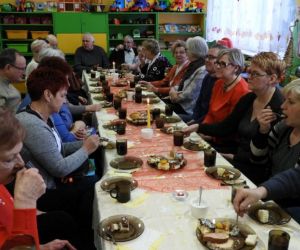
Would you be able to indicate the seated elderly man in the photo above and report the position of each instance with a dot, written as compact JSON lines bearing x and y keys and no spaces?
{"x":12,"y":69}
{"x":89,"y":55}
{"x":123,"y":53}
{"x":52,"y":41}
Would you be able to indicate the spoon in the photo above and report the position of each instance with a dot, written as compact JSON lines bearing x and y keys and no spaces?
{"x":111,"y":236}
{"x":200,"y":195}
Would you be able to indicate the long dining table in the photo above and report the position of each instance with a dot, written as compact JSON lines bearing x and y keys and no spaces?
{"x":168,"y":222}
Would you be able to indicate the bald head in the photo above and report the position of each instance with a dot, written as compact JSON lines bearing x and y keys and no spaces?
{"x":52,"y":41}
{"x":88,"y":41}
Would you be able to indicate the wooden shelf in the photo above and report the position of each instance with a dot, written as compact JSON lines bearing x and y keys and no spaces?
{"x":26,"y":24}
{"x":130,"y":25}
{"x":181,"y":34}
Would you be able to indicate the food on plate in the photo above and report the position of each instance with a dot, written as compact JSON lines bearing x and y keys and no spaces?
{"x":263,"y":215}
{"x":251,"y":240}
{"x":225,"y":173}
{"x":224,"y":234}
{"x":122,"y":226}
{"x":175,"y":161}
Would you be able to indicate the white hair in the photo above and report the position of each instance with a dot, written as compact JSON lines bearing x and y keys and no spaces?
{"x":197,"y":46}
{"x":49,"y":52}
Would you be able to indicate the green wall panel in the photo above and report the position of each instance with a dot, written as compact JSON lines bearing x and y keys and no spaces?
{"x":67,"y":23}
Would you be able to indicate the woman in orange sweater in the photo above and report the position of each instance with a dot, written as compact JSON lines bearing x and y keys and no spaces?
{"x":175,"y":75}
{"x":18,"y":216}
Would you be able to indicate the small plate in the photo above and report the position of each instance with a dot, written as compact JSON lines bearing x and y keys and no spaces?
{"x":172,"y":119}
{"x":106,"y":104}
{"x":119,"y":84}
{"x":93,"y":84}
{"x":96,"y":90}
{"x":109,"y":145}
{"x":94,"y":79}
{"x":238,"y":241}
{"x":237,"y":182}
{"x":150,"y":96}
{"x":277,"y":216}
{"x":169,"y":163}
{"x":136,"y":228}
{"x":110,"y":182}
{"x":126,"y":163}
{"x":138,"y":117}
{"x":194,"y":146}
{"x":151,"y":100}
{"x":99,"y":97}
{"x":170,"y":129}
{"x":112,"y":124}
{"x":230,"y":173}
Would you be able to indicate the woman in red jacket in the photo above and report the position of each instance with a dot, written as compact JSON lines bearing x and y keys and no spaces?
{"x":175,"y":74}
{"x":19,"y":215}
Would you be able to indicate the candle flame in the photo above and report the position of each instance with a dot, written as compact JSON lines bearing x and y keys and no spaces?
{"x":148,"y":100}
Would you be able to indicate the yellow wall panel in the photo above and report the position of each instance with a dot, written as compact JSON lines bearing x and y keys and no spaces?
{"x":68,"y":43}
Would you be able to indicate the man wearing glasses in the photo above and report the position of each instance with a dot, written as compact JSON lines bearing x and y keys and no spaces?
{"x":12,"y":69}
{"x":89,"y":55}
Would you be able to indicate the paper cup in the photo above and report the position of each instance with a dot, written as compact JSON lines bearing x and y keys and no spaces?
{"x":198,"y":211}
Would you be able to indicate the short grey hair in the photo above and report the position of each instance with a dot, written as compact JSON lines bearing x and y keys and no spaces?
{"x":128,"y":37}
{"x":235,"y":57}
{"x":292,"y":88}
{"x":49,"y":52}
{"x":152,"y":46}
{"x":197,"y":46}
{"x":89,"y":35}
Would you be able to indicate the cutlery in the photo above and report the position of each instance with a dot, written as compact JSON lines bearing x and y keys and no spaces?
{"x":111,"y":236}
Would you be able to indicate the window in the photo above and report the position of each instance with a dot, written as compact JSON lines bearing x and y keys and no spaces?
{"x":252,"y":25}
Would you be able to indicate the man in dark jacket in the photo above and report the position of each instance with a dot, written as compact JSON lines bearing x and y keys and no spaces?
{"x":123,"y":53}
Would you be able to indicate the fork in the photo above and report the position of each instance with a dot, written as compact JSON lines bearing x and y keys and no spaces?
{"x":111,"y":236}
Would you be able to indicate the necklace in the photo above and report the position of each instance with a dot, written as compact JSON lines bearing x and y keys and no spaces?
{"x":226,"y":86}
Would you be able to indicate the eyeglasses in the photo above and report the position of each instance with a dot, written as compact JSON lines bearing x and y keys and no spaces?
{"x":222,"y":65}
{"x":210,"y":57}
{"x":19,"y":68}
{"x":255,"y":74}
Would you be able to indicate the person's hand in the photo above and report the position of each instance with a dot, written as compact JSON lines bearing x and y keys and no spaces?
{"x":57,"y":245}
{"x":264,"y":118}
{"x":28,"y":188}
{"x":150,"y":87}
{"x":245,"y":197}
{"x":91,"y":143}
{"x":143,"y":82}
{"x":206,"y":137}
{"x":120,"y":47}
{"x":93,"y":107}
{"x":190,"y":129}
{"x":82,"y":100}
{"x":80,"y":134}
{"x":173,"y":95}
{"x":228,"y":156}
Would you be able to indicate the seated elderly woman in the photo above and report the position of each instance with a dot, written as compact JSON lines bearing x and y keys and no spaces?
{"x":19,"y":215}
{"x":36,"y":46}
{"x":176,"y":73}
{"x":265,"y":71}
{"x":62,"y":165}
{"x":154,"y":68}
{"x":227,"y":91}
{"x":183,"y":96}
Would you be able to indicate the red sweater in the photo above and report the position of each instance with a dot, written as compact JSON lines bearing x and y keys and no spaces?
{"x":164,"y":84}
{"x":222,"y":103}
{"x":15,"y":221}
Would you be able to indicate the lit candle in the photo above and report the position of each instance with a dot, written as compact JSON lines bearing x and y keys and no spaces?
{"x":114,"y":65}
{"x":148,"y":113}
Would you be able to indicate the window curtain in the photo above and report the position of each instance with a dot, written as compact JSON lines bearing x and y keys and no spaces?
{"x":252,"y":25}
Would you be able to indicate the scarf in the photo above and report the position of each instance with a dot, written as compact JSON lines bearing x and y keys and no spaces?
{"x":190,"y":70}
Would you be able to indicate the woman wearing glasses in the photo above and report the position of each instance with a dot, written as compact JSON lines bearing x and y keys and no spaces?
{"x":265,"y":72}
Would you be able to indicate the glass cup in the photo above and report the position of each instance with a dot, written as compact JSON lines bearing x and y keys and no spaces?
{"x":155,"y":113}
{"x":178,"y":138}
{"x":121,"y":128}
{"x":121,"y":145}
{"x":122,"y":113}
{"x":138,"y":90}
{"x":210,"y":156}
{"x":138,"y":98}
{"x":102,"y":78}
{"x":117,"y":103}
{"x":278,"y":240}
{"x":122,"y":191}
{"x":106,"y":89}
{"x":93,"y":75}
{"x":110,"y":97}
{"x":168,"y":110}
{"x":132,"y":84}
{"x":160,"y":122}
